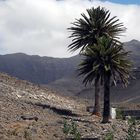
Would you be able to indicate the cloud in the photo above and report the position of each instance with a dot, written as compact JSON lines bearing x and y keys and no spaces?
{"x":40,"y":26}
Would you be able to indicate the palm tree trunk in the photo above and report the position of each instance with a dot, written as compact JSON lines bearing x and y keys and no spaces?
{"x":106,"y":110}
{"x":97,"y":98}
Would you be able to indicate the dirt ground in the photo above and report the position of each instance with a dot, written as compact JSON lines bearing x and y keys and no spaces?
{"x":28,"y":112}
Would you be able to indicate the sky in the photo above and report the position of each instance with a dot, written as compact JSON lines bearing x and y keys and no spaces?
{"x":39,"y":27}
{"x":126,"y":1}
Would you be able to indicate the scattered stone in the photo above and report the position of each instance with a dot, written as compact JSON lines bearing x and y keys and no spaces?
{"x":29,"y":118}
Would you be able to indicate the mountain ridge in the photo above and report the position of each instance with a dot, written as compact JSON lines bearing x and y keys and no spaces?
{"x":59,"y":73}
{"x":39,"y":69}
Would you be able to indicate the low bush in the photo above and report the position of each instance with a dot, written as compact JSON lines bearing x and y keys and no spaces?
{"x":70,"y":129}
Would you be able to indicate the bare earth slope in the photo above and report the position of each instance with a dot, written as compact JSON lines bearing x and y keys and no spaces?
{"x":20,"y":98}
{"x":29,"y":112}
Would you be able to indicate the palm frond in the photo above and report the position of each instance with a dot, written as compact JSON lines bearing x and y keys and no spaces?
{"x":97,"y":23}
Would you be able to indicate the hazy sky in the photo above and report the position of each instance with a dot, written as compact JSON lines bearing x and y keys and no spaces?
{"x":126,"y":1}
{"x":40,"y":26}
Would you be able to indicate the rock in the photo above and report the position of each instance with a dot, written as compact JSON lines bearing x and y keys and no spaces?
{"x":29,"y":118}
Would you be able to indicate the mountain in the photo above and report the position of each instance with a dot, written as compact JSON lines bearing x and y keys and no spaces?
{"x":73,"y":86}
{"x":134,"y":47}
{"x":36,"y":69}
{"x":60,"y":73}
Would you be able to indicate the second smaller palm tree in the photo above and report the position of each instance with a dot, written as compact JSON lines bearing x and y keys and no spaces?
{"x":107,"y":61}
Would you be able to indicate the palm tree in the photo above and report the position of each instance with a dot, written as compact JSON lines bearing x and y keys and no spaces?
{"x":86,"y":31}
{"x":108,"y":61}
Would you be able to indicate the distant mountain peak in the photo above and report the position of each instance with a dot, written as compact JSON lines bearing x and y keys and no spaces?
{"x":134,"y":41}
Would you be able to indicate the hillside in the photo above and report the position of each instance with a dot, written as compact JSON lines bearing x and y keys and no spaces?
{"x":44,"y":70}
{"x":134,"y":47}
{"x":30,"y":112}
{"x":60,"y":74}
{"x":21,"y":99}
{"x":73,"y":86}
{"x":36,"y":69}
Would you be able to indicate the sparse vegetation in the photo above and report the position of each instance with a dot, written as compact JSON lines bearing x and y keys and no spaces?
{"x":110,"y":134}
{"x":66,"y":128}
{"x":132,"y":132}
{"x":119,"y":114}
{"x":70,"y":129}
{"x":27,"y":135}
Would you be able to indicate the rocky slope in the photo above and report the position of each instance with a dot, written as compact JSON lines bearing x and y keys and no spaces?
{"x":21,"y":99}
{"x":30,"y":112}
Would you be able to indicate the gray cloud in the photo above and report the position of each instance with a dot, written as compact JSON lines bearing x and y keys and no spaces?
{"x":40,"y":26}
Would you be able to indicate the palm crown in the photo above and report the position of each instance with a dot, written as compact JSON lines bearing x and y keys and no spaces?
{"x":98,"y":23}
{"x":106,"y":57}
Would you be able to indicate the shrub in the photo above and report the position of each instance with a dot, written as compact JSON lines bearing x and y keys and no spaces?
{"x":71,"y":129}
{"x":119,"y":114}
{"x":132,"y":133}
{"x":110,"y":134}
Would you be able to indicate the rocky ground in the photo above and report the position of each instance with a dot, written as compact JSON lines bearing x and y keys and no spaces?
{"x":30,"y":112}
